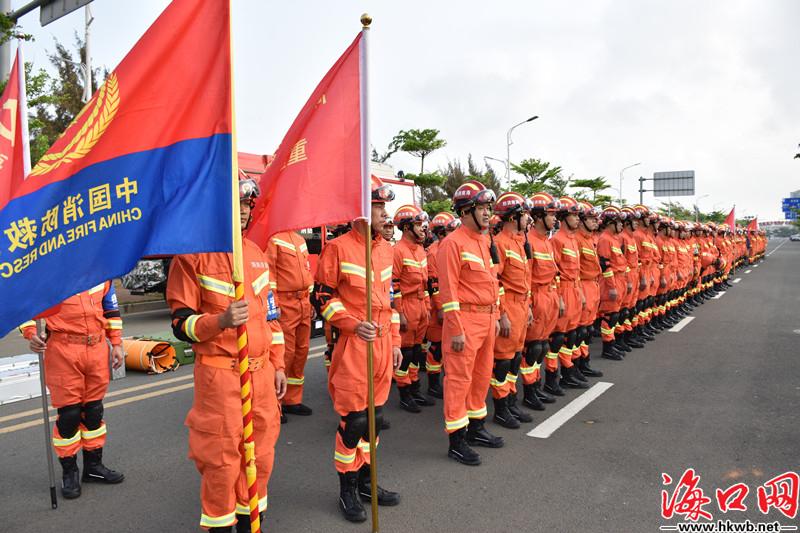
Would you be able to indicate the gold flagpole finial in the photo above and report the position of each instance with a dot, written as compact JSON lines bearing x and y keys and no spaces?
{"x":366,"y":20}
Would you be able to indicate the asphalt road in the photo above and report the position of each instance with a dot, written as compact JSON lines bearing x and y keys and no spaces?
{"x":721,"y":396}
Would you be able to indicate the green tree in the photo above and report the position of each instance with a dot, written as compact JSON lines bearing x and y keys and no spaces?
{"x":382,"y":158}
{"x":9,"y":30}
{"x":538,"y":175}
{"x":593,"y":185}
{"x":419,"y":143}
{"x":437,"y":206}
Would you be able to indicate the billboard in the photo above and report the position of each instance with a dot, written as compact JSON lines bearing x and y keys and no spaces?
{"x":55,"y":9}
{"x":675,"y":183}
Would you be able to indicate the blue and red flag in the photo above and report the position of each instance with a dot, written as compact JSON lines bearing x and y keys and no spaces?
{"x":144,"y":169}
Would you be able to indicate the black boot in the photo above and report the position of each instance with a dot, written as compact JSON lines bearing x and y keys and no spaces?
{"x":478,"y":435}
{"x":420,"y":398}
{"x":568,"y":379}
{"x":95,"y":470}
{"x":542,"y":395}
{"x":386,"y":498}
{"x":460,"y":450}
{"x":407,"y":402}
{"x":518,"y":413}
{"x":576,"y":372}
{"x":503,"y":416}
{"x":632,"y":341}
{"x":531,"y":400}
{"x":642,"y":332}
{"x":610,"y":353}
{"x":385,"y":424}
{"x":298,"y":409}
{"x":223,"y":529}
{"x":71,"y":479}
{"x":349,"y":503}
{"x":434,"y":385}
{"x":243,"y":523}
{"x":551,"y":383}
{"x":586,"y":370}
{"x":619,"y":344}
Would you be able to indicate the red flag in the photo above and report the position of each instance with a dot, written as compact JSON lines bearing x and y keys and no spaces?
{"x":730,"y":220}
{"x":753,"y":224}
{"x":316,"y":176}
{"x":15,"y":158}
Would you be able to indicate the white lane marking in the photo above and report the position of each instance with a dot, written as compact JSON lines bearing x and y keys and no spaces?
{"x":682,"y":324}
{"x":317,"y":351}
{"x":747,"y":271}
{"x":558,"y":419}
{"x":718,"y":296}
{"x":776,"y":248}
{"x":755,"y":266}
{"x":737,"y":280}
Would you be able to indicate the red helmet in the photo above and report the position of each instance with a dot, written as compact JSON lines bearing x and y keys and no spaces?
{"x":588,"y":210}
{"x":631,"y":213}
{"x":409,"y":214}
{"x":611,"y":213}
{"x":495,"y":220}
{"x":440,"y":221}
{"x":453,"y":225}
{"x":568,"y":206}
{"x":381,"y":192}
{"x":642,"y":210}
{"x":543,"y":203}
{"x":471,"y":194}
{"x":510,"y":204}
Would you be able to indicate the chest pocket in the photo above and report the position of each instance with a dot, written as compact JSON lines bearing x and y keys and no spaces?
{"x":475,"y":273}
{"x":261,"y":286}
{"x":216,"y":289}
{"x":356,"y":274}
{"x":413,"y":270}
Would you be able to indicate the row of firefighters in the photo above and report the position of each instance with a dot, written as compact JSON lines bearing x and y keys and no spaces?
{"x":488,"y":306}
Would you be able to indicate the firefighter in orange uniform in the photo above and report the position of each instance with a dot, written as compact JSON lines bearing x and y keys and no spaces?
{"x":76,"y":369}
{"x":613,"y":285}
{"x":563,"y":341}
{"x":341,"y":281}
{"x":388,"y":231}
{"x":649,"y":256}
{"x":287,"y":253}
{"x":200,"y":293}
{"x":590,"y":284}
{"x":630,"y":315}
{"x":469,"y":294}
{"x":513,"y":272}
{"x":441,"y":225}
{"x":546,"y":304}
{"x":410,"y":292}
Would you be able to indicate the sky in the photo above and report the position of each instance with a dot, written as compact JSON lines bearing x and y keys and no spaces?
{"x":695,"y":85}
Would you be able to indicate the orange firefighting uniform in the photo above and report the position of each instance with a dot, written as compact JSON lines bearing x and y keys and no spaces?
{"x":76,"y":360}
{"x":544,"y":302}
{"x":200,"y":289}
{"x":590,"y":281}
{"x":566,"y":254}
{"x":469,"y":294}
{"x":631,"y":252}
{"x":433,"y":364}
{"x":514,"y":274}
{"x":288,"y":261}
{"x":648,"y":257}
{"x":613,"y":277}
{"x":341,"y":277}
{"x":410,"y":291}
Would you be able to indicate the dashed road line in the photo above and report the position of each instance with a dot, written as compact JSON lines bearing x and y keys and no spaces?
{"x":737,"y":280}
{"x":682,"y":324}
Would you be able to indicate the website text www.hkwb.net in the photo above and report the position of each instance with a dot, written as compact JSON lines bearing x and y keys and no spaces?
{"x":725,"y":526}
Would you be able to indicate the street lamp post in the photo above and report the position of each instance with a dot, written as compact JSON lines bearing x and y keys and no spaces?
{"x":620,"y":180}
{"x":509,"y":143}
{"x":486,"y":160}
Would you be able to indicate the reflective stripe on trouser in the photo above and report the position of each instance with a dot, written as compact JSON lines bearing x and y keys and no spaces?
{"x":66,"y":446}
{"x":467,"y":373}
{"x":530,"y":374}
{"x":351,"y":459}
{"x":92,"y":439}
{"x":295,"y":321}
{"x":432,"y":366}
{"x":551,"y":361}
{"x":583,"y":349}
{"x":565,"y":356}
{"x":215,"y":438}
{"x":606,"y":331}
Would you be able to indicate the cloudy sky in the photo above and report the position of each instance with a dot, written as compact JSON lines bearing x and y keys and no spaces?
{"x":704,"y":85}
